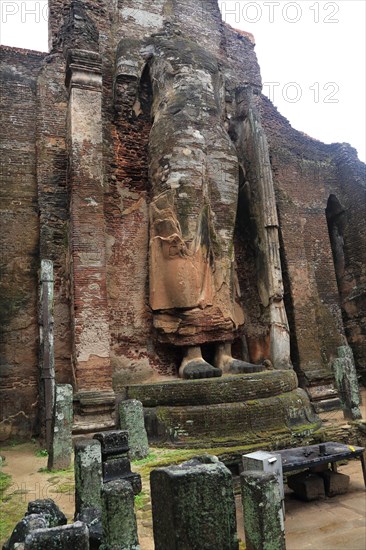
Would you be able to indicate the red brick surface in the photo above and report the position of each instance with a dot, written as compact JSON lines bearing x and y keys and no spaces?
{"x":19,"y":238}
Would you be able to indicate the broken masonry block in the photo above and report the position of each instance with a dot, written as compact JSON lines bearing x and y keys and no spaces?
{"x":115,"y":461}
{"x":335,"y":483}
{"x":131,"y":414}
{"x":307,"y":486}
{"x":93,"y":519}
{"x":49,"y":510}
{"x":193,"y":506}
{"x":65,"y":537}
{"x":88,"y":475}
{"x":262,"y":508}
{"x":59,"y":457}
{"x":25,"y":526}
{"x":118,"y":517}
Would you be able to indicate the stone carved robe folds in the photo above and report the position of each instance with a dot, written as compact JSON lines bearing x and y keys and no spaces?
{"x":194,"y":177}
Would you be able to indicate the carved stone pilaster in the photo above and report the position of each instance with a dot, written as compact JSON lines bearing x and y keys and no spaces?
{"x":91,"y":346}
{"x":83,"y":70}
{"x":270,"y":284}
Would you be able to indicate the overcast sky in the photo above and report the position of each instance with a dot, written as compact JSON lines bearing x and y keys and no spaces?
{"x":311,"y":54}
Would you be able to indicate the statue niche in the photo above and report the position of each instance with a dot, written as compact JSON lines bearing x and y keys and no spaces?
{"x":193,"y":170}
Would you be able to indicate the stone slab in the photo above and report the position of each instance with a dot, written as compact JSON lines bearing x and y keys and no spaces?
{"x":346,"y":379}
{"x":66,"y":537}
{"x":327,"y":405}
{"x":242,"y":421}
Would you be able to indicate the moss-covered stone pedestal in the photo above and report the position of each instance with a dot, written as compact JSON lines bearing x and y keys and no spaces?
{"x":227,"y":411}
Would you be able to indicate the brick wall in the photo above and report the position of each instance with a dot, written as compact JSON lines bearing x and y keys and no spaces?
{"x":53,"y":200}
{"x":306,"y":172}
{"x":19,"y":239}
{"x":351,"y":175}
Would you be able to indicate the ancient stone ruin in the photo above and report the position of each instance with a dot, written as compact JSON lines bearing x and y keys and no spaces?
{"x":193,"y":233}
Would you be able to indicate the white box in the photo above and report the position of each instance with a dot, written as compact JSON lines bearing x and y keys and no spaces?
{"x":265,"y":462}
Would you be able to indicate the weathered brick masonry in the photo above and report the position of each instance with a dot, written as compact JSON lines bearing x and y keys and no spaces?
{"x":306,"y":174}
{"x":53,"y":200}
{"x":19,"y":240}
{"x":76,"y":190}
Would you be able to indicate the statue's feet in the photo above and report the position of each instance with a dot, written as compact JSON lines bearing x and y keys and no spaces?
{"x":198,"y":368}
{"x":235,"y":366}
{"x":226,"y":362}
{"x":193,"y":365}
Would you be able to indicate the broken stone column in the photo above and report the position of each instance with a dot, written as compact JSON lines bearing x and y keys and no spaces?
{"x":41,"y":514}
{"x":193,"y":506}
{"x":347,"y":385}
{"x":60,"y":451}
{"x":131,"y":414}
{"x":25,"y":526}
{"x":49,"y":510}
{"x":266,"y":462}
{"x":116,"y":463}
{"x":93,"y":519}
{"x":66,"y":537}
{"x":118,"y":517}
{"x":88,"y":474}
{"x":263,"y":517}
{"x":46,"y":350}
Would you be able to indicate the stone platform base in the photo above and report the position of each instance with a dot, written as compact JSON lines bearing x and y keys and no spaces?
{"x":94,"y":411}
{"x":324,"y":396}
{"x":227,"y":411}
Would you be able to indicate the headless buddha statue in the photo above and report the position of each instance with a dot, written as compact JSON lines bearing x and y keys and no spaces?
{"x":194,"y":291}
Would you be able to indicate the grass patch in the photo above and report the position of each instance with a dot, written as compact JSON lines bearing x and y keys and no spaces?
{"x":65,"y":472}
{"x":141,"y":500}
{"x":53,"y":480}
{"x":12,"y":509}
{"x":150,"y":456}
{"x":66,"y":488}
{"x":5,"y":482}
{"x":40,"y":453}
